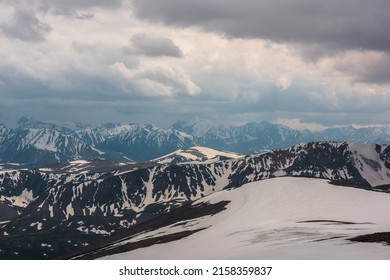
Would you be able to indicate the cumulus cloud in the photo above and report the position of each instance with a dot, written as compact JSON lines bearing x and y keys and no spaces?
{"x":25,"y":26}
{"x":153,"y":46}
{"x":154,"y":79}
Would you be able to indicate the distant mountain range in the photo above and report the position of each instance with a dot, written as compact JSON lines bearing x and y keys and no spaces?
{"x":254,"y":137}
{"x":36,"y":143}
{"x":57,"y":210}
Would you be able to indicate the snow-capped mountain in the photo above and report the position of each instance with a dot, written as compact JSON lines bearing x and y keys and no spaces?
{"x":377,"y":134}
{"x":4,"y":131}
{"x":65,"y":127}
{"x":35,"y":143}
{"x":248,"y":138}
{"x":83,"y":201}
{"x":195,"y":155}
{"x":143,"y":142}
{"x":99,"y":134}
{"x":40,"y":146}
{"x":4,"y":134}
{"x":255,"y":137}
{"x":196,"y":127}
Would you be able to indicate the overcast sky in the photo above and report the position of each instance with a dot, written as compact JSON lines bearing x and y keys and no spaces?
{"x":303,"y":63}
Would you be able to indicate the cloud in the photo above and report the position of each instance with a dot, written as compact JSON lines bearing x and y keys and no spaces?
{"x":298,"y":124}
{"x":153,"y":46}
{"x":25,"y":26}
{"x":285,"y":82}
{"x":84,"y":48}
{"x":240,"y":60}
{"x":76,"y":8}
{"x":153,"y":79}
{"x":333,"y":24}
{"x":365,"y":67}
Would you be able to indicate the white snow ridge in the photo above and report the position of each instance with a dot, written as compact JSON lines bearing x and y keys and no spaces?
{"x":280,"y":218}
{"x":196,"y":155}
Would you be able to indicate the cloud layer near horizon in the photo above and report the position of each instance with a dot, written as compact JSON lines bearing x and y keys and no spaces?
{"x":325,"y":63}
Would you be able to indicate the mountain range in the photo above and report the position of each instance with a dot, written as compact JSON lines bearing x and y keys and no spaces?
{"x":35,"y":144}
{"x":70,"y":210}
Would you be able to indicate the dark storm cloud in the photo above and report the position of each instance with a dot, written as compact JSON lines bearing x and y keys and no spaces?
{"x":25,"y":26}
{"x":375,"y":69}
{"x":334,"y":24}
{"x":84,"y":4}
{"x":149,"y":45}
{"x":72,"y":7}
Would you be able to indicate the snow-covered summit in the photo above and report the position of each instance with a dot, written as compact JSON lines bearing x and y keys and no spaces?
{"x":196,"y":155}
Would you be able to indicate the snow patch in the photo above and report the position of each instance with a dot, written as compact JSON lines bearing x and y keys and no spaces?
{"x":45,"y":169}
{"x":22,"y":200}
{"x":93,"y":230}
{"x":38,"y":224}
{"x":69,"y":211}
{"x":80,"y":162}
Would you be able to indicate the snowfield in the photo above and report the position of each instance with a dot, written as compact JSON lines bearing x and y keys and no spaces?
{"x":280,"y":218}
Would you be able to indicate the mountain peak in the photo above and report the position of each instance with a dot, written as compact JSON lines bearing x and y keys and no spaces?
{"x":24,"y":120}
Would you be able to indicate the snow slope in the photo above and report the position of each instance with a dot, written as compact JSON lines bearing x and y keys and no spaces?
{"x":280,"y":218}
{"x":196,"y":155}
{"x":369,"y":163}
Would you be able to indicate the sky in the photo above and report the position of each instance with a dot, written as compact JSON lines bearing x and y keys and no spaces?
{"x":302,"y":63}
